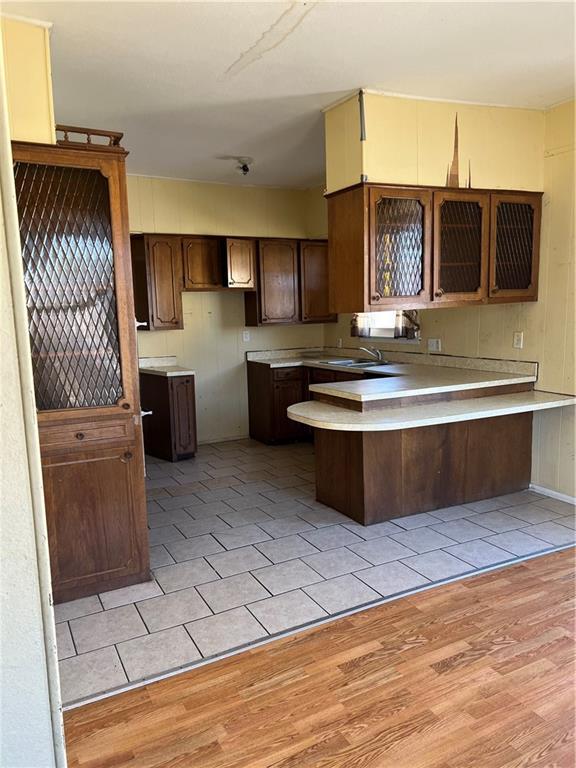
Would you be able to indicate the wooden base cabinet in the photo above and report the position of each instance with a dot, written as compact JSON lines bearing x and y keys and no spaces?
{"x":170,"y":423}
{"x":378,"y":476}
{"x":97,"y":527}
{"x":271,"y":391}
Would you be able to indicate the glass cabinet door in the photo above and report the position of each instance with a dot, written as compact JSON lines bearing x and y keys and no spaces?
{"x":514,"y":245}
{"x":66,"y":235}
{"x":400,"y":246}
{"x":461,"y":230}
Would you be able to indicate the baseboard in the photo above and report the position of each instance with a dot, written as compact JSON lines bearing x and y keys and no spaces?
{"x":553,"y":494}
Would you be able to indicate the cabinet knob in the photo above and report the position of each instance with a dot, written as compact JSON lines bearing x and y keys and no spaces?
{"x":376,"y":297}
{"x":79,"y":435}
{"x":439,"y":293}
{"x":126,"y":406}
{"x":127,"y":456}
{"x":146,"y":413}
{"x":141,"y":324}
{"x":495,"y":289}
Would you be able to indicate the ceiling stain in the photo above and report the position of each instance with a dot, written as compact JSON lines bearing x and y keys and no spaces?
{"x":288,"y":21}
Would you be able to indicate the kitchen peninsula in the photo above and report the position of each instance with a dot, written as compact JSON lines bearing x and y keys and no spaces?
{"x":417,"y":437}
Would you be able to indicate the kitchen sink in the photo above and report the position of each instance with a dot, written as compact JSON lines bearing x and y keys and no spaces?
{"x":366,"y":364}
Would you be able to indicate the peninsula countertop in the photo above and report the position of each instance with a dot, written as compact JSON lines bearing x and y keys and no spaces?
{"x":400,"y":379}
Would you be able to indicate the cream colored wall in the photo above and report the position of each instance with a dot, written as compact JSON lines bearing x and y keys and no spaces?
{"x":343,"y":145}
{"x":411,"y":142}
{"x":28,"y":81}
{"x":509,"y":148}
{"x":211,"y":342}
{"x":31,"y":735}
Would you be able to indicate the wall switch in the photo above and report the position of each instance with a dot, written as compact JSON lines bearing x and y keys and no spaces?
{"x":518,"y":340}
{"x":434,"y":345}
{"x":245,"y":335}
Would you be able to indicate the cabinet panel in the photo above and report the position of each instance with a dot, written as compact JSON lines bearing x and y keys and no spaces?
{"x":241,"y":263}
{"x":461,"y":231}
{"x":314,"y":282}
{"x":400,"y":246}
{"x":95,"y":513}
{"x":278,"y":278}
{"x":164,"y":263}
{"x":170,"y":430}
{"x":287,"y":393}
{"x":514,"y":245}
{"x":202,"y":264}
{"x":183,"y":416}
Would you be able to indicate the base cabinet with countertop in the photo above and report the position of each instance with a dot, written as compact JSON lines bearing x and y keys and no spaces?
{"x":169,"y":408}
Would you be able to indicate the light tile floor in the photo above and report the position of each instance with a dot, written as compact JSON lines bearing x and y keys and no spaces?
{"x":240,"y":550}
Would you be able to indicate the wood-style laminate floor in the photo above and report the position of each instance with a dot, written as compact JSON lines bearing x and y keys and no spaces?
{"x":475,"y":674}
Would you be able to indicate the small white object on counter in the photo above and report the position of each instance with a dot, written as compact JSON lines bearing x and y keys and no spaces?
{"x":323,"y":416}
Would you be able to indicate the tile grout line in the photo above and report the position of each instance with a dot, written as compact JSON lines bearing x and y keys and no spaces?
{"x":309,"y":625}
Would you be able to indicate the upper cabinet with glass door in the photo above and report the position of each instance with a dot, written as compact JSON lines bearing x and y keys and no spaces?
{"x":401,"y":246}
{"x":461,"y":232}
{"x":415,"y":247}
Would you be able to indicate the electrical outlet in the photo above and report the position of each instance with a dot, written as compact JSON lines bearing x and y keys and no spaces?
{"x":245,"y":335}
{"x":339,"y":344}
{"x":434,"y":345}
{"x":518,"y":340}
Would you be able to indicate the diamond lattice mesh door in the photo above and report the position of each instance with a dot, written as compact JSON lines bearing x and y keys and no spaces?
{"x":514,"y":245}
{"x":66,"y":241}
{"x":399,"y":247}
{"x":460,"y":246}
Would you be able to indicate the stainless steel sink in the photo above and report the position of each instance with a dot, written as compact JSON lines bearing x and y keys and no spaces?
{"x":366,"y":364}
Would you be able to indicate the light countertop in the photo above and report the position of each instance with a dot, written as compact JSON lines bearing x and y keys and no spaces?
{"x":400,"y":379}
{"x":324,"y":416}
{"x":407,"y":380}
{"x":167,"y":370}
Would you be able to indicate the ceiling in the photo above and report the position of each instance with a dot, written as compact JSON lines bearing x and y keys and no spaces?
{"x":191,"y":82}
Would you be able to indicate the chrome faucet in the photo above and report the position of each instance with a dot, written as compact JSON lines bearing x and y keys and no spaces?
{"x":374,"y":352}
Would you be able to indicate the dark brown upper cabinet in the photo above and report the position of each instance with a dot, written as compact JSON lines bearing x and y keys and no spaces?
{"x":240,"y":263}
{"x":514,"y":246}
{"x":417,"y":247}
{"x":158,"y":280}
{"x":461,"y":241}
{"x":400,"y":246}
{"x":202,"y":264}
{"x":277,"y":301}
{"x":314,"y":282}
{"x":291,"y":285}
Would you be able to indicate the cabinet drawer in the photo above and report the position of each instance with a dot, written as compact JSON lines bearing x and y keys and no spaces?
{"x":287,"y":374}
{"x":93,"y":433}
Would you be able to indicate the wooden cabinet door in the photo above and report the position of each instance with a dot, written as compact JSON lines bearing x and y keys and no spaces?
{"x":202,"y":264}
{"x":183,"y":416}
{"x":287,"y":393}
{"x":164,"y":267}
{"x":278,"y":281}
{"x":314,"y":282}
{"x":95,"y":513}
{"x":461,"y":232}
{"x":72,"y":205}
{"x":514,"y":246}
{"x":400,"y":243}
{"x":241,"y":263}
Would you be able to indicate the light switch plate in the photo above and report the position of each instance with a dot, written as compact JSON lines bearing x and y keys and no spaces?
{"x":518,"y":340}
{"x":245,"y":335}
{"x":434,"y":345}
